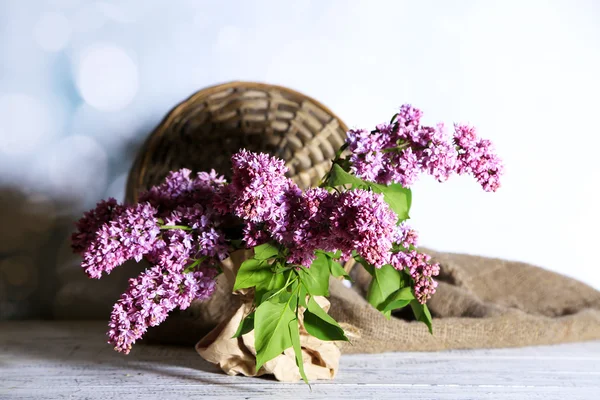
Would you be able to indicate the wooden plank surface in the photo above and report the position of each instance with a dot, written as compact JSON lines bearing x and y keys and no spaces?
{"x":70,"y":360}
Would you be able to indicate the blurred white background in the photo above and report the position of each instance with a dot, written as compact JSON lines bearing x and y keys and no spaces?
{"x":83,"y":82}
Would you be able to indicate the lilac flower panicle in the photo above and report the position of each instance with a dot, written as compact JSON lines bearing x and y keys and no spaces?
{"x":401,"y":151}
{"x":406,"y":169}
{"x":364,"y":222}
{"x":130,"y":235}
{"x":465,"y":136}
{"x":416,"y":264}
{"x":174,"y":251}
{"x":310,"y":226}
{"x":209,"y":179}
{"x":181,"y":189}
{"x":406,"y":236}
{"x":409,"y":116}
{"x":420,"y":269}
{"x":167,"y":193}
{"x":258,"y":187}
{"x":254,"y":235}
{"x":477,"y":157}
{"x":438,"y":157}
{"x":275,"y":208}
{"x":362,"y":141}
{"x":178,"y":246}
{"x":149,"y":299}
{"x":91,"y":221}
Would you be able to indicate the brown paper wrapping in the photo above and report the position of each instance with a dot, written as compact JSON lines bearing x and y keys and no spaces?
{"x":238,"y":355}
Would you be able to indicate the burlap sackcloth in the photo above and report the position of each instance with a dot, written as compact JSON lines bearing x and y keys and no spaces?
{"x":480,"y":303}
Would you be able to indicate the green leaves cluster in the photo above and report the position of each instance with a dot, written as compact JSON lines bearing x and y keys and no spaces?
{"x":284,"y":294}
{"x":391,"y":290}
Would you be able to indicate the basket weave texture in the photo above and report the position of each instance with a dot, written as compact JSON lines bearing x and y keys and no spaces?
{"x":202,"y":133}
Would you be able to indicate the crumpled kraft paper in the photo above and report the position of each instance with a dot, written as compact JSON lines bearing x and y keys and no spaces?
{"x":237,"y":355}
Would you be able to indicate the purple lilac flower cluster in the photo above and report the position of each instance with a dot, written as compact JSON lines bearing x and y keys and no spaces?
{"x":93,"y":220}
{"x":478,"y":157}
{"x":418,"y":265}
{"x":400,"y":151}
{"x":149,"y":299}
{"x":131,"y":233}
{"x":406,"y":236}
{"x":364,"y":222}
{"x":179,"y":225}
{"x":275,"y":208}
{"x":180,"y":190}
{"x":177,"y":229}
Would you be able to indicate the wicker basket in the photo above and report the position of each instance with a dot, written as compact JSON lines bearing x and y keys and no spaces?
{"x":204,"y":131}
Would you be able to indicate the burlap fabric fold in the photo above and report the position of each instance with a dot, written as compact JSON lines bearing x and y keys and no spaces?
{"x":480,"y":303}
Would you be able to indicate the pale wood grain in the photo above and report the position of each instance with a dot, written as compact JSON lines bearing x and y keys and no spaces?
{"x":51,"y":360}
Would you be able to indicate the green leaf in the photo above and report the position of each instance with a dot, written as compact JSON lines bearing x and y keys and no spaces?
{"x":399,"y":299}
{"x":269,"y":285}
{"x":398,"y":198}
{"x":336,"y":269}
{"x":251,"y":273}
{"x":386,"y":280}
{"x":295,"y":336}
{"x":265,"y":251}
{"x":331,"y":254}
{"x":320,"y":324}
{"x":368,"y":267}
{"x":302,"y":294}
{"x":422,"y":314}
{"x":271,"y":329}
{"x":246,"y":325}
{"x":339,"y":177}
{"x":316,"y":278}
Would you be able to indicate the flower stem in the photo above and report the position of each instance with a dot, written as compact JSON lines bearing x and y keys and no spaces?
{"x":182,"y":227}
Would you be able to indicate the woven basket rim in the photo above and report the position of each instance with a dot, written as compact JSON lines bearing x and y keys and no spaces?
{"x":158,"y":131}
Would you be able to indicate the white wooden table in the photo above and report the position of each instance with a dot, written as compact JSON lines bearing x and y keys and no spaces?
{"x":70,"y":360}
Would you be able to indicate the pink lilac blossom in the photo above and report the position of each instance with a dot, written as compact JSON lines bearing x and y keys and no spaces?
{"x":179,"y":247}
{"x":420,"y":269}
{"x":258,"y":188}
{"x":399,"y":152}
{"x":174,"y":251}
{"x":311,"y":226}
{"x":406,"y":236}
{"x":204,"y":222}
{"x":180,"y":189}
{"x":262,"y":196}
{"x":131,"y":234}
{"x":477,"y":157}
{"x":274,"y":207}
{"x":363,"y":221}
{"x":91,"y":221}
{"x":149,"y":299}
{"x":416,"y":264}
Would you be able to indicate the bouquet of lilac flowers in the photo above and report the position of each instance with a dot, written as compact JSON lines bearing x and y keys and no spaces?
{"x":189,"y":224}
